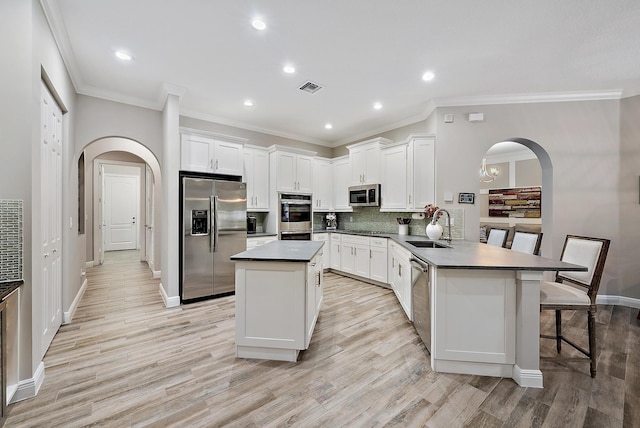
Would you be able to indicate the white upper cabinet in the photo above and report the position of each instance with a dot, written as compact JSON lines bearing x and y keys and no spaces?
{"x":293,"y":170}
{"x":408,"y":174}
{"x":422,"y":170}
{"x":256,"y":175}
{"x":394,"y":183}
{"x":322,"y":185}
{"x":341,"y":168}
{"x":365,"y":161}
{"x":213,"y":154}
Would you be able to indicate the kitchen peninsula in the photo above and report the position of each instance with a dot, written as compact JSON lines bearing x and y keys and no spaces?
{"x":278,"y":298}
{"x":484,"y":303}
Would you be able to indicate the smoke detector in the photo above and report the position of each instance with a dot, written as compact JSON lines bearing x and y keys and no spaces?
{"x":310,"y":87}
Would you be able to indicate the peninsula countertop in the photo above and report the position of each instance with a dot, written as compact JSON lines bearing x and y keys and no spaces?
{"x":461,"y":254}
{"x":281,"y":251}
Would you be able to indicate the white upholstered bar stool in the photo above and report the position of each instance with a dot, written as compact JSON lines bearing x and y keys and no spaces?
{"x":576,"y":291}
{"x":526,"y":242}
{"x":497,"y":237}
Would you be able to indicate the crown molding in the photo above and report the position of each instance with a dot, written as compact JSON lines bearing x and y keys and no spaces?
{"x":549,"y":97}
{"x":61,"y":38}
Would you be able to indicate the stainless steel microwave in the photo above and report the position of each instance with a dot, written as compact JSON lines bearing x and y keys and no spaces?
{"x":367,"y":195}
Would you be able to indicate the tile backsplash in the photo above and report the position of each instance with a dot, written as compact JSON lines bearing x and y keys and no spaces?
{"x":10,"y":240}
{"x":368,"y":219}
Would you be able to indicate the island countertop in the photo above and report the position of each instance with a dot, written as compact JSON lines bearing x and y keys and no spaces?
{"x":281,"y":251}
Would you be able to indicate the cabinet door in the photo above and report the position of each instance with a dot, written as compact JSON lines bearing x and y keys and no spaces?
{"x":304,"y":173}
{"x":394,"y":178}
{"x":361,"y":259}
{"x":322,"y":186}
{"x":341,"y":177}
{"x":423,"y":172}
{"x":347,"y":257}
{"x":227,"y":158}
{"x":378,"y":264}
{"x":405,"y":285}
{"x":196,"y":153}
{"x":372,"y":164}
{"x":357,"y":158}
{"x":326,"y":249}
{"x":286,"y":171}
{"x":260,"y":180}
{"x":336,"y":253}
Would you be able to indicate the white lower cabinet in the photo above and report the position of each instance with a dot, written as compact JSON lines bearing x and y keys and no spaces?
{"x":400,"y":276}
{"x":326,"y":250}
{"x":335,"y":240}
{"x":277,"y":307}
{"x":355,"y":255}
{"x":378,"y":259}
{"x":359,"y":255}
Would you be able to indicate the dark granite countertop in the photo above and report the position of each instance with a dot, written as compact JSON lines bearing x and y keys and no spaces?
{"x":7,"y":288}
{"x":281,"y":251}
{"x":462,"y":254}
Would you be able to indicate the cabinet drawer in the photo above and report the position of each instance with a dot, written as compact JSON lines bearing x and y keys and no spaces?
{"x":379,"y":242}
{"x":355,"y":239}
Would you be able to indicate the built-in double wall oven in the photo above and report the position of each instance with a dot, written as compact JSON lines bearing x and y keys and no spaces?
{"x":294,"y":211}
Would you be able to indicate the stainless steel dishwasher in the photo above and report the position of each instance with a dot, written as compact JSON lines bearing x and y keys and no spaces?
{"x":420,"y":289}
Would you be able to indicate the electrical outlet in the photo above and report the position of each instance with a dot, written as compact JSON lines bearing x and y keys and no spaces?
{"x":350,"y":219}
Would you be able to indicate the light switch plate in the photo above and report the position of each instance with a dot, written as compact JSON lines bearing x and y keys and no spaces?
{"x":448,"y":197}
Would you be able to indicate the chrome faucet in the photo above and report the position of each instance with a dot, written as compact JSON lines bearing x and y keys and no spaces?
{"x":434,"y":220}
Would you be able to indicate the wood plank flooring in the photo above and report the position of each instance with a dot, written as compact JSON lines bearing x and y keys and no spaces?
{"x":125,"y":360}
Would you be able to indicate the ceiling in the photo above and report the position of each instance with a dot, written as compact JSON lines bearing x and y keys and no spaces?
{"x":359,"y":51}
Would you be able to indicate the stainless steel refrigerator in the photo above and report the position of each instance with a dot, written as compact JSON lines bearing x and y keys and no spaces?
{"x":214,"y":227}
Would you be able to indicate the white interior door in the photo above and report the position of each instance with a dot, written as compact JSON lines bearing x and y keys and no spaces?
{"x":121,"y":208}
{"x":51,"y":216}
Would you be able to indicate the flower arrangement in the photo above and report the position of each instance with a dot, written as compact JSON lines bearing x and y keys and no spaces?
{"x":430,"y":210}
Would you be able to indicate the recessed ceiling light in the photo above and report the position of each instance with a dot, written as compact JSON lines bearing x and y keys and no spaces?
{"x":289,"y":69}
{"x":377,"y":106}
{"x":428,"y":75}
{"x":123,"y":56}
{"x":258,"y":24}
{"x":248,"y":103}
{"x":328,"y":126}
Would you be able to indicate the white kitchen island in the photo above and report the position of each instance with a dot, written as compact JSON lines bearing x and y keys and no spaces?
{"x":278,"y":299}
{"x":485,"y":309}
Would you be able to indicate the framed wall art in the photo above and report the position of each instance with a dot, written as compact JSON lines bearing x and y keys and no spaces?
{"x":466,"y":198}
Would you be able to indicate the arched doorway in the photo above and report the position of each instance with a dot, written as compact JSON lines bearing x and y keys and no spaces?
{"x":510,"y":154}
{"x":125,"y":149}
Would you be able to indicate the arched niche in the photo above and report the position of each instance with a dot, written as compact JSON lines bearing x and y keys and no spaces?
{"x":547,"y":189}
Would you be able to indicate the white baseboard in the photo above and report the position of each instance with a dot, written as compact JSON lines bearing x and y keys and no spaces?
{"x":89,"y":264}
{"x":29,"y":387}
{"x":68,"y":315}
{"x":527,"y":378}
{"x":156,"y":274}
{"x":618,"y":300}
{"x":169,"y":302}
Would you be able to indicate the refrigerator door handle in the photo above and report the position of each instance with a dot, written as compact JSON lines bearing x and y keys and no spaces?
{"x":214,"y":223}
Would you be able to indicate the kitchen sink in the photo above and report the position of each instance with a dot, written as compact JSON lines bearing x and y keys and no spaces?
{"x":427,"y":244}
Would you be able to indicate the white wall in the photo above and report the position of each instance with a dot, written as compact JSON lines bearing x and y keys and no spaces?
{"x":583,"y":142}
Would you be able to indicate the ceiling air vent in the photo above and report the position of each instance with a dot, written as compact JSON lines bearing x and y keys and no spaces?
{"x":310,"y":87}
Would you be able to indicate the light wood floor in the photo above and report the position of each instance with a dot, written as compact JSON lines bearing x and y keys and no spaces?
{"x":125,"y":360}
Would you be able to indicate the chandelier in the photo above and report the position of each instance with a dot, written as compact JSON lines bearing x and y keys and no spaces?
{"x":487,"y":176}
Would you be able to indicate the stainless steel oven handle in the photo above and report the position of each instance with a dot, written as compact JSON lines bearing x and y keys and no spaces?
{"x":418,"y":264}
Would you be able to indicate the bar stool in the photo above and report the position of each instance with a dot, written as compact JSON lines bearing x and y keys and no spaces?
{"x":576,"y":291}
